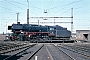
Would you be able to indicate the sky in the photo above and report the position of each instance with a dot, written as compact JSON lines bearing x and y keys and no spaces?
{"x":54,"y":8}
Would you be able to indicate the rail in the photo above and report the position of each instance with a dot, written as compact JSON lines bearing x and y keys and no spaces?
{"x":64,"y":52}
{"x":76,"y":51}
{"x":34,"y":53}
{"x":50,"y":56}
{"x":7,"y":58}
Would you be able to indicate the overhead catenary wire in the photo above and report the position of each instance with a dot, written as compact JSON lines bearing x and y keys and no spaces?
{"x":74,"y":9}
{"x":33,"y":6}
{"x":64,"y":5}
{"x":18,"y":3}
{"x":15,"y":5}
{"x":57,"y":6}
{"x":84,"y":5}
{"x":25,"y":5}
{"x":6,"y":8}
{"x":55,"y":12}
{"x":49,"y":5}
{"x":63,"y":8}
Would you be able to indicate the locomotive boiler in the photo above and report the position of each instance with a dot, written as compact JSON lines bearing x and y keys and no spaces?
{"x":33,"y":31}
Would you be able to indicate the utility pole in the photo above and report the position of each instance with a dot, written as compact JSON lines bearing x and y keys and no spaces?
{"x":38,"y":22}
{"x":6,"y":27}
{"x":54,"y":22}
{"x":71,"y":20}
{"x":28,"y":13}
{"x":17,"y":17}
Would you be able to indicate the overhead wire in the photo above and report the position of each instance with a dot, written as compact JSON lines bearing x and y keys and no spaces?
{"x":70,"y":4}
{"x":26,"y":5}
{"x":50,"y":3}
{"x":81,"y":10}
{"x":64,"y":4}
{"x":15,"y":5}
{"x":10,"y":9}
{"x":6,"y":8}
{"x":39,"y":8}
{"x":63,"y":12}
{"x":36,"y":7}
{"x":67,"y":5}
{"x":22,"y":4}
{"x":18,"y":3}
{"x":81,"y":6}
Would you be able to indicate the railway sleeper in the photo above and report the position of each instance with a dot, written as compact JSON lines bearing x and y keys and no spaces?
{"x":76,"y":51}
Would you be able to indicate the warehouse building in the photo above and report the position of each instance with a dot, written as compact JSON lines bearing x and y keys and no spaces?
{"x":83,"y":34}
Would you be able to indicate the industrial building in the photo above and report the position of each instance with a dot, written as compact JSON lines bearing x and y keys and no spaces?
{"x":83,"y":34}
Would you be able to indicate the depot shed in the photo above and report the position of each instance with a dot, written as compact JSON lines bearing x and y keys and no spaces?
{"x":83,"y":34}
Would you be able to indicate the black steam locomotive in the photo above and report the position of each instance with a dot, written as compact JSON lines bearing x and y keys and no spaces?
{"x":32,"y":31}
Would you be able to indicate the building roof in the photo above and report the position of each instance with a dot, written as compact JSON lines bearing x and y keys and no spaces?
{"x":82,"y":30}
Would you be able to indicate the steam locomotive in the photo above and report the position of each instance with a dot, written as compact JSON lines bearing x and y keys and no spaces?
{"x":33,"y":31}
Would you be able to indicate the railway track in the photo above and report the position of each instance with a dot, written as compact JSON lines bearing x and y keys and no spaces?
{"x":60,"y":54}
{"x":77,"y":51}
{"x":29,"y":58}
{"x":46,"y":52}
{"x":37,"y":54}
{"x":65,"y":53}
{"x":34,"y":50}
{"x":4,"y":46}
{"x":85,"y":51}
{"x":50,"y":54}
{"x":7,"y":46}
{"x":11,"y":54}
{"x":13,"y":49}
{"x":80,"y":48}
